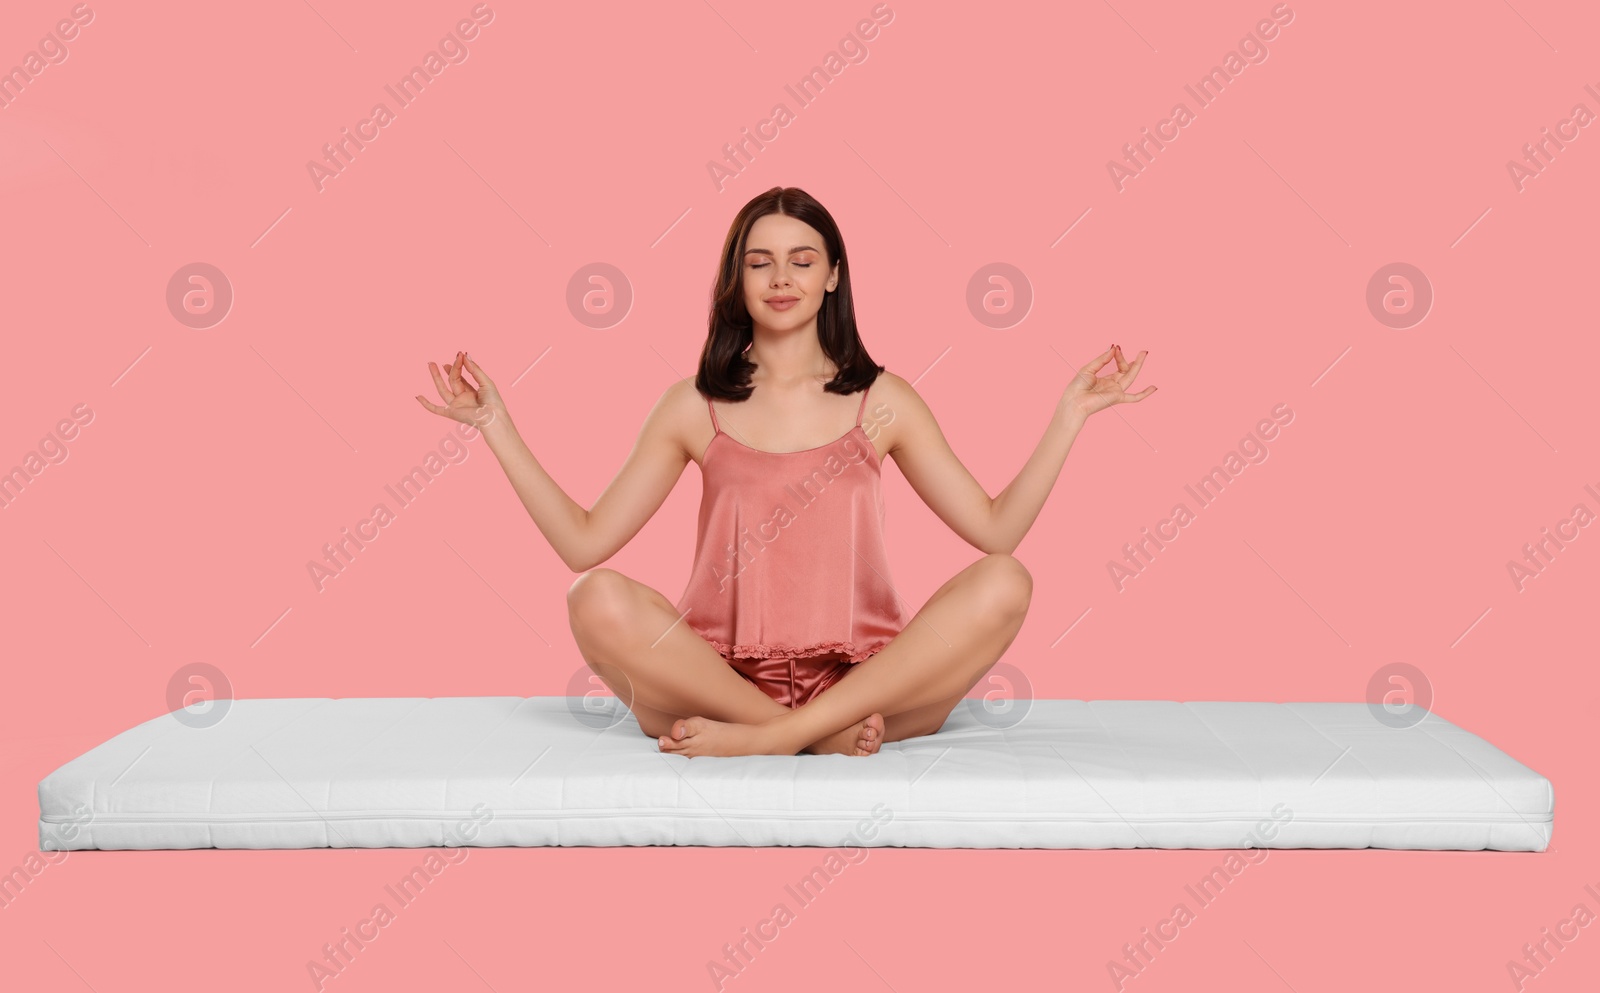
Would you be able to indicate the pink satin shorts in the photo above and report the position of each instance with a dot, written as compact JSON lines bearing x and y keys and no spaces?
{"x":792,"y":682}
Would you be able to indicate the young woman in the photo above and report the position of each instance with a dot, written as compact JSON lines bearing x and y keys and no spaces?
{"x":790,"y":635}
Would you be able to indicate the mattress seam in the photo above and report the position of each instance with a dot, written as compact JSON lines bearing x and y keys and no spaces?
{"x":853,"y":815}
{"x":1260,"y":783}
{"x":1130,"y":764}
{"x":1479,"y":773}
{"x":1372,"y":779}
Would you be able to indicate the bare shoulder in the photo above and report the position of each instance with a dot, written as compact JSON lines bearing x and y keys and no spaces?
{"x":681,"y":415}
{"x":889,"y":386}
{"x":896,"y":409}
{"x":680,"y":395}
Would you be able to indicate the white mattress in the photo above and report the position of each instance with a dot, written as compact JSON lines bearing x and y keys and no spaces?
{"x":497,"y":771}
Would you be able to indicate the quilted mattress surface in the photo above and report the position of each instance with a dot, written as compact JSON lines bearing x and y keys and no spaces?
{"x":539,"y":771}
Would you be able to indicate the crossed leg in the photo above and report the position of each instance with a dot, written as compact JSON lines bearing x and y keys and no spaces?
{"x":660,"y":668}
{"x":915,"y":680}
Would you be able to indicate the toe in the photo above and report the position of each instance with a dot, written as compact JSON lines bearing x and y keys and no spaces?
{"x":676,"y":743}
{"x":682,"y":740}
{"x":871,"y":738}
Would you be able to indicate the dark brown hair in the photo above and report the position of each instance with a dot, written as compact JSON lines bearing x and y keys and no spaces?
{"x":724,"y":371}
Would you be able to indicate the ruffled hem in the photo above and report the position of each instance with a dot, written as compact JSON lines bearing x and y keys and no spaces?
{"x":781,"y":652}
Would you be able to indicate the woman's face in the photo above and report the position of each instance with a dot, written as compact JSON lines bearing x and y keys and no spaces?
{"x":786,"y":273}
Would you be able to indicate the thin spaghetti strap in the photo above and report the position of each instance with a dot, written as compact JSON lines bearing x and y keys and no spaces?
{"x":716,"y":428}
{"x":860,"y":410}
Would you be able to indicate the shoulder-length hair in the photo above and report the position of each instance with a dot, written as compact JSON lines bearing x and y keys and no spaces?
{"x":724,"y":371}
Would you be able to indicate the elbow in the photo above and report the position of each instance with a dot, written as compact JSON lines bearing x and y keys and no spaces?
{"x":994,"y":539}
{"x":582,"y":560}
{"x":991,"y":544}
{"x":999,"y":547}
{"x":1000,"y":541}
{"x":576,"y":559}
{"x":577,"y":556}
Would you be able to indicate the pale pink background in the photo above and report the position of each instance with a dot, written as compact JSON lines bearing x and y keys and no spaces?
{"x":1418,"y":463}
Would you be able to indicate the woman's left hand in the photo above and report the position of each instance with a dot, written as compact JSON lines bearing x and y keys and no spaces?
{"x":1088,"y":392}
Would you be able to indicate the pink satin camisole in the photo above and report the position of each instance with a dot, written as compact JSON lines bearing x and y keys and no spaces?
{"x":789,"y":557}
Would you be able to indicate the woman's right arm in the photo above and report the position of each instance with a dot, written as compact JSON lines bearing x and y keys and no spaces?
{"x":582,"y":538}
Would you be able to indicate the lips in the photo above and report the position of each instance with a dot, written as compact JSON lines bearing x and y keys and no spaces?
{"x":782,"y":303}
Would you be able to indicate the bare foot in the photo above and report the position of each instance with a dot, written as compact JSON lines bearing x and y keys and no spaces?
{"x":693,"y":736}
{"x":864,"y":738}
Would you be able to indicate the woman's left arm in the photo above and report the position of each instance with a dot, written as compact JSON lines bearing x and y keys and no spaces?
{"x":998,"y":524}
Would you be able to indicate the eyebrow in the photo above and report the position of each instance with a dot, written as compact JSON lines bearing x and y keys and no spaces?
{"x":797,"y":248}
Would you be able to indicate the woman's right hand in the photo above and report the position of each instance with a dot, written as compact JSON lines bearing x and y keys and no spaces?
{"x":479,"y":405}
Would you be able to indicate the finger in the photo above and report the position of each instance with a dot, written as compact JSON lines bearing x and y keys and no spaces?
{"x":432,"y":406}
{"x":1136,"y":397}
{"x":438,"y":382}
{"x":454,"y":369}
{"x":461,"y":371}
{"x":1098,"y":362}
{"x":482,"y":376}
{"x":1129,"y":373}
{"x":1122,"y":366}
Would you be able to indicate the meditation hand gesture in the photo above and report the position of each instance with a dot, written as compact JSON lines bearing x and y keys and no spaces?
{"x":1088,"y":393}
{"x":477,"y":405}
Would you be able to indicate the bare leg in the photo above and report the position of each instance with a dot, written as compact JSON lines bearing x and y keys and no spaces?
{"x":659,"y":667}
{"x":952,"y":641}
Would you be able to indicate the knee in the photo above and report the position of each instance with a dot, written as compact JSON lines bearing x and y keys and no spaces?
{"x":1008,"y":585}
{"x":598,"y":599}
